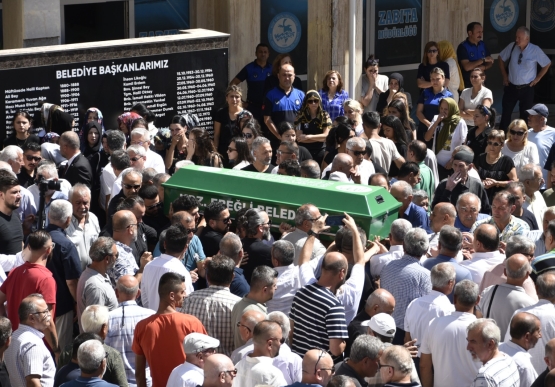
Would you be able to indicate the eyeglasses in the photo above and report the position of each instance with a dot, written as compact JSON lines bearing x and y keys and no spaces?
{"x":244,"y":326}
{"x":131,"y":186}
{"x":281,"y":341}
{"x":233,"y":373}
{"x":312,"y":101}
{"x":432,"y":51}
{"x":520,"y":58}
{"x":209,"y":351}
{"x":137,"y":142}
{"x":33,"y":158}
{"x":44,"y":311}
{"x":116,"y":255}
{"x":269,"y":223}
{"x":385,"y":365}
{"x":226,"y":220}
{"x":279,"y":152}
{"x":315,"y":219}
{"x":485,"y":111}
{"x":516,"y":133}
{"x":229,"y":149}
{"x":131,"y":225}
{"x":322,"y":353}
{"x":159,"y":204}
{"x":248,"y":135}
{"x":372,"y":62}
{"x":357,"y":153}
{"x":191,"y":230}
{"x":494,"y":143}
{"x":136,"y":158}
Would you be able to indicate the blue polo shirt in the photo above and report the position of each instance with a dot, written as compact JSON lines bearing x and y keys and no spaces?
{"x":255,"y":75}
{"x":239,"y":286}
{"x":462,"y":272}
{"x":281,"y":106}
{"x":417,"y":216}
{"x":471,"y":52}
{"x":462,"y":227}
{"x":431,"y":104}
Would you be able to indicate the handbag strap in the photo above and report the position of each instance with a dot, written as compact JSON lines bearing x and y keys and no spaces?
{"x":491,"y":300}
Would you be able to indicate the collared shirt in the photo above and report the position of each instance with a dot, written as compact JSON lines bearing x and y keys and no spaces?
{"x":107,"y":179}
{"x":239,"y":285}
{"x":94,"y":288}
{"x":298,"y":238}
{"x":255,"y":75}
{"x":471,"y":52}
{"x":514,"y":227}
{"x":154,"y":160}
{"x":253,"y":371}
{"x":421,"y":311}
{"x":334,"y":106}
{"x":213,"y":306}
{"x":121,"y":329}
{"x":281,"y":106}
{"x":88,"y":382}
{"x":124,"y":265}
{"x":27,"y":355}
{"x":536,"y":205}
{"x":523,"y":64}
{"x":462,"y":227}
{"x":406,"y":279}
{"x":288,"y":282}
{"x":500,"y":371}
{"x":417,"y":216}
{"x":84,"y":237}
{"x":521,"y":357}
{"x":378,"y":262}
{"x":186,"y":375}
{"x":461,"y":272}
{"x":442,"y":195}
{"x":430,"y":102}
{"x":539,"y":239}
{"x":496,"y":276}
{"x":482,"y":262}
{"x":152,"y":273}
{"x":27,"y":206}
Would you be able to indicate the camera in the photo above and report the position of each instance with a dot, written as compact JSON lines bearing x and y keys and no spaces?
{"x":46,"y":185}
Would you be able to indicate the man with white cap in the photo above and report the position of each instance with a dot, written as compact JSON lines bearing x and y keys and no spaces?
{"x":191,"y":373}
{"x":382,"y":326}
{"x":541,"y":134}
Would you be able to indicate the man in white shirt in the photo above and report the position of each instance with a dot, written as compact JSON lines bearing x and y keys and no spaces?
{"x":499,"y":302}
{"x":245,"y":326}
{"x":384,"y":151}
{"x":356,"y":148}
{"x":423,"y":310}
{"x":198,"y":348}
{"x":257,"y":368}
{"x":525,"y":332}
{"x":305,"y":217}
{"x":532,"y":177}
{"x":399,"y":228}
{"x":288,"y":281}
{"x":541,"y":134}
{"x":444,"y":345}
{"x":486,"y":252}
{"x":137,"y":162}
{"x":141,"y":137}
{"x":115,"y":140}
{"x":176,"y":244}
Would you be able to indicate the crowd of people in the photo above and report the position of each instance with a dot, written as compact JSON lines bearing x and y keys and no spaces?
{"x":104,"y":288}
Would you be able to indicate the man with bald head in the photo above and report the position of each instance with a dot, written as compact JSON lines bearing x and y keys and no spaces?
{"x":499,"y":302}
{"x":469,"y":207}
{"x":122,"y":322}
{"x":318,"y":369}
{"x":257,"y":368}
{"x":219,"y":371}
{"x":416,"y":215}
{"x":525,"y":332}
{"x":549,"y":360}
{"x":379,"y":180}
{"x":282,"y":103}
{"x":342,"y":169}
{"x":125,"y":233}
{"x":305,"y":218}
{"x":486,"y":252}
{"x":443,"y":214}
{"x":246,"y":325}
{"x":78,"y":169}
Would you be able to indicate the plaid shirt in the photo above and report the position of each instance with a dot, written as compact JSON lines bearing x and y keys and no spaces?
{"x":121,"y":329}
{"x":406,"y":279}
{"x":334,"y":107}
{"x":213,"y":308}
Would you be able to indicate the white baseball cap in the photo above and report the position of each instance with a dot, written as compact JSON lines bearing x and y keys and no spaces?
{"x":382,"y":323}
{"x":197,"y":342}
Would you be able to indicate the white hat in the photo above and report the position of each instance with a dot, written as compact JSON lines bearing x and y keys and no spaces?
{"x":197,"y":342}
{"x":382,"y":324}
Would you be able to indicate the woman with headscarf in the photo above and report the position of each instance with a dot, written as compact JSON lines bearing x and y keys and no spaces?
{"x":314,"y":124}
{"x":52,"y":118}
{"x":91,"y":142}
{"x":448,"y":131}
{"x":448,"y":55}
{"x":92,"y":114}
{"x":125,"y":121}
{"x":395,"y":85}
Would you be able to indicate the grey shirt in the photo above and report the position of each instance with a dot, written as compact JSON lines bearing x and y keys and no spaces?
{"x":237,"y":312}
{"x":94,"y":288}
{"x":298,"y":238}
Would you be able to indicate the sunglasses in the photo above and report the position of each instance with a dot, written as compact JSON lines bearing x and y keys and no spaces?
{"x":226,"y":220}
{"x":494,"y":143}
{"x":432,"y":51}
{"x":159,"y":204}
{"x":357,"y":153}
{"x":191,"y":230}
{"x":229,"y":149}
{"x":131,"y":186}
{"x":520,"y":58}
{"x":516,"y":133}
{"x":33,"y":158}
{"x":135,"y":159}
{"x":233,"y":373}
{"x":248,"y":135}
{"x":312,"y":101}
{"x":281,"y":341}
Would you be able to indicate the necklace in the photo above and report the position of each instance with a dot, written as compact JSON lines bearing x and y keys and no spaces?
{"x":493,"y":162}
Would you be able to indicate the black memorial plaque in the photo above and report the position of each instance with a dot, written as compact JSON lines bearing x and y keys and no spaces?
{"x":168,"y":84}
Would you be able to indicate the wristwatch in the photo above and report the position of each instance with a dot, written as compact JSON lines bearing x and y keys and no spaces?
{"x":483,"y":60}
{"x":310,"y":232}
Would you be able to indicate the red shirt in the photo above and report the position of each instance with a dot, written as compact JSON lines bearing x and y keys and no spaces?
{"x":159,"y":339}
{"x":27,"y":279}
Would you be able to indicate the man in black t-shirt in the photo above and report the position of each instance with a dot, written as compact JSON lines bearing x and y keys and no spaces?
{"x":31,"y":159}
{"x":11,"y":231}
{"x":218,"y":220}
{"x":258,"y":225}
{"x":262,"y":152}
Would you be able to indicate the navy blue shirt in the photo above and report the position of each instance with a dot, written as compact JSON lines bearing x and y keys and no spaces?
{"x":281,"y":106}
{"x":462,"y":272}
{"x":431,"y":104}
{"x":255,"y":75}
{"x":82,"y":382}
{"x":64,"y":265}
{"x":67,"y":373}
{"x":471,"y":52}
{"x":417,"y":216}
{"x":425,"y":70}
{"x":239,"y":286}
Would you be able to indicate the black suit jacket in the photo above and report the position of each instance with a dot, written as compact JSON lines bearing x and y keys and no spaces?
{"x":79,"y":171}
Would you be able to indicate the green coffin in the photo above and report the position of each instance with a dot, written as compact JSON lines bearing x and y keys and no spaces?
{"x":373,"y":208}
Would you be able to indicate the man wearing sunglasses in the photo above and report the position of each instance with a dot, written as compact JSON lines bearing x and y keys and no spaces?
{"x":518,"y":64}
{"x":219,"y":371}
{"x":287,"y":150}
{"x":257,"y":368}
{"x":31,"y":158}
{"x":218,"y":221}
{"x":131,"y":181}
{"x":317,"y":369}
{"x":154,"y":209}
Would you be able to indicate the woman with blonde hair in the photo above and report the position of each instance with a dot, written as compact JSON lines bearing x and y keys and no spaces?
{"x":314,"y":124}
{"x":333,"y":95}
{"x":517,"y":146}
{"x":353,"y":111}
{"x":225,"y":121}
{"x":448,"y":55}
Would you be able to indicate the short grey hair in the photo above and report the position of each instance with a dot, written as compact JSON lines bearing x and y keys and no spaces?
{"x":90,"y":356}
{"x":133,"y":171}
{"x":419,"y":194}
{"x":230,"y":245}
{"x":141,"y":132}
{"x":137,"y":149}
{"x":416,"y":242}
{"x":258,"y":142}
{"x":545,"y":285}
{"x":302,"y":214}
{"x":450,"y":238}
{"x":524,"y":29}
{"x":489,"y":329}
{"x":94,"y":317}
{"x":10,"y":153}
{"x":157,"y":179}
{"x":518,"y":244}
{"x":366,"y":346}
{"x":311,"y":169}
{"x":469,"y":195}
{"x":127,"y":290}
{"x":527,"y":171}
{"x":101,"y":248}
{"x":60,"y":210}
{"x":49,"y":167}
{"x":442,"y":273}
{"x":284,"y":252}
{"x":263,"y":276}
{"x":283,"y":321}
{"x":399,"y":357}
{"x":467,"y":292}
{"x":355,"y":141}
{"x":517,"y":274}
{"x":79,"y":188}
{"x":399,"y":229}
{"x":405,"y":188}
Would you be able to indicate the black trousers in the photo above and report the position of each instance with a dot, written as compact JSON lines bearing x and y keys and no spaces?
{"x":511,"y":95}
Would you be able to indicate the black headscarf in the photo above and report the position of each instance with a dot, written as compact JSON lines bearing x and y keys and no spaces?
{"x":61,"y":122}
{"x":87,"y":149}
{"x":399,"y":78}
